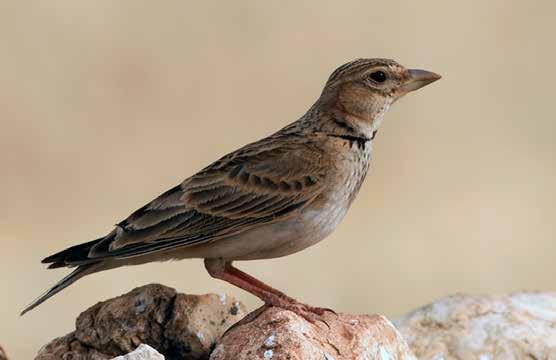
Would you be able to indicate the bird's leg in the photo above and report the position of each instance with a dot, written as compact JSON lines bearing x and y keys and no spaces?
{"x":223,"y":270}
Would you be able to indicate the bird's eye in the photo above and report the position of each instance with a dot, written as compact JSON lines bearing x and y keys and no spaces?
{"x":378,"y":76}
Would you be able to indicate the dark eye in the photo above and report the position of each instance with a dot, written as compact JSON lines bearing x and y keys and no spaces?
{"x":378,"y":76}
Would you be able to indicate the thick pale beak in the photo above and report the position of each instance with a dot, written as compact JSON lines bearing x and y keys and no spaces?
{"x":418,"y":78}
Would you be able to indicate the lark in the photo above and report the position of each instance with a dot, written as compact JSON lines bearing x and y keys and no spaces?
{"x":271,"y":198}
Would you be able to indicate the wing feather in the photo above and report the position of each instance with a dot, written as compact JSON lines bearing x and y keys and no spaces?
{"x":258,"y":184}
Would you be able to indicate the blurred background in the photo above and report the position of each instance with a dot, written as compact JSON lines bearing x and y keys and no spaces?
{"x":106,"y":104}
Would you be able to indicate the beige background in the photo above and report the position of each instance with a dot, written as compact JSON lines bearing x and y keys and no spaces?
{"x":106,"y":104}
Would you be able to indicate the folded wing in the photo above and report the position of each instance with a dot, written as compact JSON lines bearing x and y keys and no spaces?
{"x":256,"y":185}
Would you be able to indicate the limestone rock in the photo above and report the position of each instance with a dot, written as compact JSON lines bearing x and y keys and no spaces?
{"x":143,"y":352}
{"x":177,"y":325}
{"x":280,"y":334}
{"x":509,"y":327}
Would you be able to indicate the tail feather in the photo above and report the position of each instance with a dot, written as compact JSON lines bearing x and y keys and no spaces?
{"x":75,"y":256}
{"x":75,"y":253}
{"x":62,"y":284}
{"x":58,"y":264}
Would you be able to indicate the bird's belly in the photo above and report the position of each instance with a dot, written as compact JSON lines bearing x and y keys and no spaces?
{"x":288,"y":236}
{"x":292,"y":236}
{"x":276,"y":239}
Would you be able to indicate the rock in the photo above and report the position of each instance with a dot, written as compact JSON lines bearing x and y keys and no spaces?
{"x":3,"y":355}
{"x":143,"y":352}
{"x":68,"y":347}
{"x":179,"y":326}
{"x":517,"y":326}
{"x":199,"y":322}
{"x":281,"y":334}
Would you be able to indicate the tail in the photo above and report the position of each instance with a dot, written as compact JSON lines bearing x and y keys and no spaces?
{"x":73,"y":256}
{"x":62,"y":284}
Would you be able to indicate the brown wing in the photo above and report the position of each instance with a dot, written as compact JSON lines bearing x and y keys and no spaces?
{"x":258,"y":184}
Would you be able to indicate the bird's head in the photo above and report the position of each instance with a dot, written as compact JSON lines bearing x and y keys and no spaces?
{"x":365,"y":88}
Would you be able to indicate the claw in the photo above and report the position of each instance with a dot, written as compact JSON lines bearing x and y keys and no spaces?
{"x":321,"y":311}
{"x":309,"y":313}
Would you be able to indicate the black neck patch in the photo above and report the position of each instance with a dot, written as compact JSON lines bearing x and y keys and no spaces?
{"x":361,"y":141}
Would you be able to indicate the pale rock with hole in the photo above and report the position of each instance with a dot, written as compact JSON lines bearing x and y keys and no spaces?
{"x":508,"y":327}
{"x":279,"y":334}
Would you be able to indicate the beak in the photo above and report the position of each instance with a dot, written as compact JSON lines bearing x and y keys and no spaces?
{"x":419,"y":78}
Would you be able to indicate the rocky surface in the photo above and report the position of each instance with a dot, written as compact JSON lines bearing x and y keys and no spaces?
{"x":143,"y":352}
{"x":510,"y":327}
{"x":3,"y":355}
{"x":280,"y":334}
{"x":177,"y":325}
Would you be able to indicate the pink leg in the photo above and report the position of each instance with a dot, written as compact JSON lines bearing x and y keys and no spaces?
{"x":223,"y":270}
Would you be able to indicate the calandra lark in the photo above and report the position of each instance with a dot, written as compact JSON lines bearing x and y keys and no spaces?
{"x":270,"y":198}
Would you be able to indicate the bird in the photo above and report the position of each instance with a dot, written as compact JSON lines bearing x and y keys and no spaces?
{"x":268,"y":199}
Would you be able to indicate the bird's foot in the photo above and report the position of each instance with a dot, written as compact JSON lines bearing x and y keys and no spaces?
{"x":310,"y":313}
